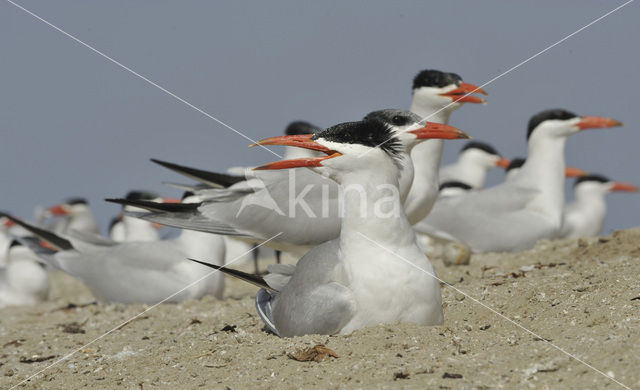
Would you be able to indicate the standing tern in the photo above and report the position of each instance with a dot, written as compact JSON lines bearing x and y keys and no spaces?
{"x":369,"y":275}
{"x":584,"y":217}
{"x":436,"y":95}
{"x":513,"y":216}
{"x":136,"y":272}
{"x":475,"y":160}
{"x":24,"y":279}
{"x":262,"y":213}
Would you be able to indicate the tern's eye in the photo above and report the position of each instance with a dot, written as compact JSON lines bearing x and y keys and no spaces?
{"x":399,"y":120}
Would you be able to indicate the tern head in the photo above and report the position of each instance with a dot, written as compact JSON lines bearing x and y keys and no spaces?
{"x":436,"y":90}
{"x":382,"y":135}
{"x":598,"y":184}
{"x":70,"y":207}
{"x":483,"y":154}
{"x":559,"y":123}
{"x":301,"y":127}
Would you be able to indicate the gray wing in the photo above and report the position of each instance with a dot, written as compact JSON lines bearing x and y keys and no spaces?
{"x":488,"y":220}
{"x":316,"y":300}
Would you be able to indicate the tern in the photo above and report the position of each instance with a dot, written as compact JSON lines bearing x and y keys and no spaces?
{"x":24,"y":279}
{"x":311,"y":217}
{"x":436,"y":95}
{"x":75,"y":214}
{"x":374,"y":272}
{"x":514,"y":215}
{"x":584,"y":217}
{"x":124,"y":228}
{"x":474,"y":162}
{"x":136,"y":272}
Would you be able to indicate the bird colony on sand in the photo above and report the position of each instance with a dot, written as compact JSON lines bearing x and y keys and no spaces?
{"x":361,"y":204}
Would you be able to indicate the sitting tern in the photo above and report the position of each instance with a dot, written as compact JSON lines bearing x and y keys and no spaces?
{"x":136,"y":272}
{"x":584,"y":217}
{"x":514,"y":215}
{"x":374,"y":272}
{"x":23,"y":279}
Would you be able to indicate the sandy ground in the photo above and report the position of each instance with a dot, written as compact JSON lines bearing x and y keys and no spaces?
{"x":581,"y":296}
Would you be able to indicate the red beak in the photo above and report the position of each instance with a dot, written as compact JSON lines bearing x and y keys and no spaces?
{"x":58,"y":210}
{"x":45,"y":244}
{"x":9,"y":223}
{"x":300,"y":140}
{"x":440,"y":131}
{"x":503,"y":163}
{"x":298,"y":162}
{"x":597,"y":122}
{"x":624,"y":187}
{"x":462,"y":93}
{"x":574,"y":172}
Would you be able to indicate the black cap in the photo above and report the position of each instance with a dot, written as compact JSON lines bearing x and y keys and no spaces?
{"x":435,"y":78}
{"x":141,"y":195}
{"x":187,"y":194}
{"x":591,"y":177}
{"x":516,"y":163}
{"x":455,"y":184}
{"x":301,"y":127}
{"x":481,"y":146}
{"x":546,"y":115}
{"x":78,"y":200}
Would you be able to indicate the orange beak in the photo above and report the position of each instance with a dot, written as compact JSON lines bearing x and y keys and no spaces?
{"x":597,"y":122}
{"x":462,"y":94}
{"x":58,"y":210}
{"x":299,"y":140}
{"x":171,"y":200}
{"x":624,"y":187}
{"x":574,"y":172}
{"x":440,"y":131}
{"x":503,"y":163}
{"x":45,"y":244}
{"x":9,"y":223}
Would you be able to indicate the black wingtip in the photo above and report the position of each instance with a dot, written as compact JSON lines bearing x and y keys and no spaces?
{"x":53,"y":239}
{"x":207,"y":177}
{"x":247,"y":277}
{"x":156,"y":206}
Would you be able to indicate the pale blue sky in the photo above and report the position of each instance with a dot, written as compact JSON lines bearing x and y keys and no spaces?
{"x":74,"y":124}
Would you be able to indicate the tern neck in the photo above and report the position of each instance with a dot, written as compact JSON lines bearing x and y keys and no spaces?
{"x":544,"y":171}
{"x":590,"y":200}
{"x":138,"y":229}
{"x":426,"y":158}
{"x":472,"y":171}
{"x":372,"y":207}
